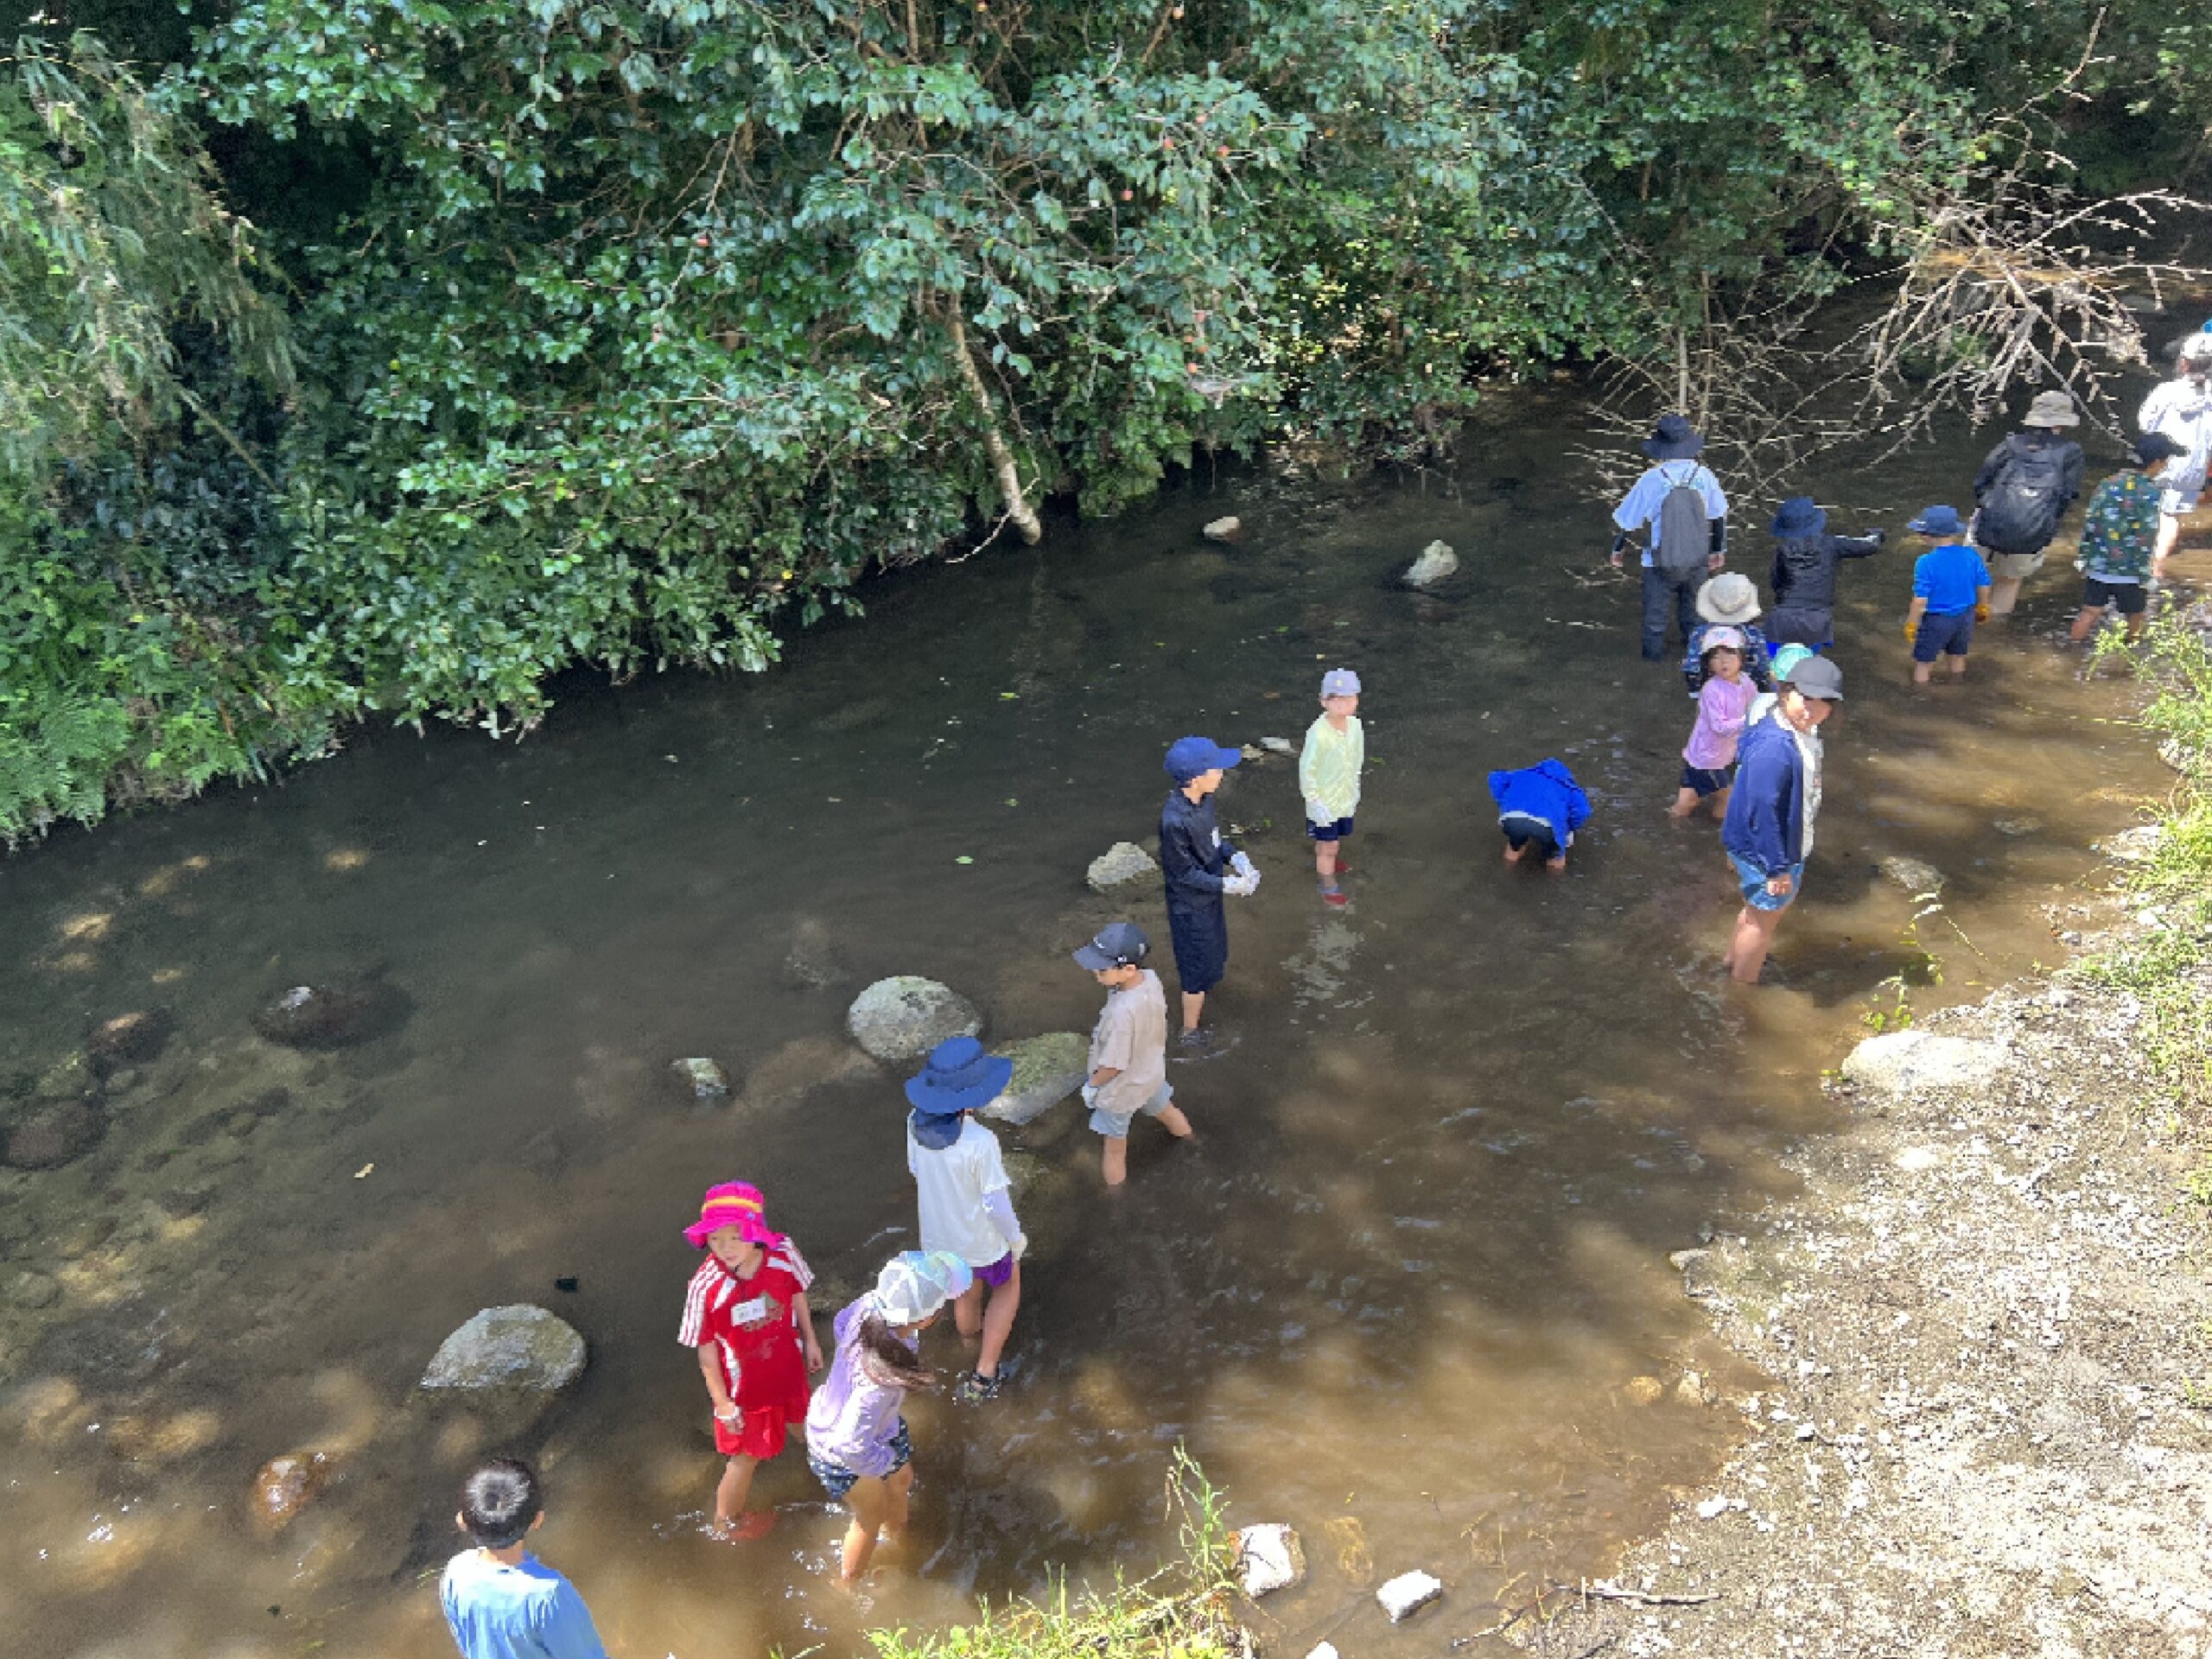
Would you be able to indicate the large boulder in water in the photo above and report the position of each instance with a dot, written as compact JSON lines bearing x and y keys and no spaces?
{"x":904,"y":1017}
{"x":336,"y":1015}
{"x":519,"y":1347}
{"x":1047,"y":1070}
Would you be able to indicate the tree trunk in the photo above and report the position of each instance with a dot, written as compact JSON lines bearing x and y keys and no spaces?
{"x":1017,"y":505}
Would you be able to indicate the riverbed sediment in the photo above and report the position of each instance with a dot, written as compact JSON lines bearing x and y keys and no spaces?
{"x":1988,"y":1325}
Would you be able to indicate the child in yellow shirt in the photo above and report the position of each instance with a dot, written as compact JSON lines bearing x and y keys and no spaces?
{"x":1328,"y":777}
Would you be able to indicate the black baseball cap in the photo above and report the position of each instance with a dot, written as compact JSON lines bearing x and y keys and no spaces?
{"x":1119,"y":945}
{"x":1817,"y":676}
{"x":2154,"y":446}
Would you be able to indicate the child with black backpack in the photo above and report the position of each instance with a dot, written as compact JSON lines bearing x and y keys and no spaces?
{"x":1678,"y":507}
{"x":2023,"y":490}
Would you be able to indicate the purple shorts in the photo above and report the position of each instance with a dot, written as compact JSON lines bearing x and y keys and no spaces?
{"x":998,"y":1273}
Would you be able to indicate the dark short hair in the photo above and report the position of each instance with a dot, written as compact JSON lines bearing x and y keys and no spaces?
{"x":498,"y":1502}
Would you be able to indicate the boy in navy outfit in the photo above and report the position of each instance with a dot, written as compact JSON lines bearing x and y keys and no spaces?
{"x":1951,"y":594}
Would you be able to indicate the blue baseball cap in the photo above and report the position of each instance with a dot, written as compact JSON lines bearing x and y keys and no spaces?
{"x":1937,"y":521}
{"x":1189,"y":756}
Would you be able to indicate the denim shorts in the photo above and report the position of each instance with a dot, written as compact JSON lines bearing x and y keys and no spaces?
{"x":1754,"y":885}
{"x":837,"y":1480}
{"x":1948,"y":635}
{"x":1114,"y":1125}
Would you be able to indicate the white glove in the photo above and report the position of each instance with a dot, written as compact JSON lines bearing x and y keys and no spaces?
{"x":1242,"y":865}
{"x":1020,"y":1246}
{"x":1239,"y":886}
{"x":1089,"y":1094}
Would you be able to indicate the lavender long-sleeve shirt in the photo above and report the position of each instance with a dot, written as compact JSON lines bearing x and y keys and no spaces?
{"x":854,"y":1417}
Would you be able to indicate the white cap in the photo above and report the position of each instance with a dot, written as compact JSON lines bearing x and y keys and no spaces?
{"x":914,"y":1284}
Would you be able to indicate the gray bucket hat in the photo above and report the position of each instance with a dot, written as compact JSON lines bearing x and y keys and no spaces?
{"x":2052,"y":409}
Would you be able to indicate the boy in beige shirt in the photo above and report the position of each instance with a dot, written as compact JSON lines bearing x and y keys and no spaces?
{"x":1128,"y":1074}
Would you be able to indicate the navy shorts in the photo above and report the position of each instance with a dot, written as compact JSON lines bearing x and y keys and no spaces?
{"x":2130,"y":596}
{"x":1201,"y":942}
{"x":1942,"y":636}
{"x":1520,"y":829}
{"x":837,"y":1480}
{"x":1335,"y":831}
{"x":1708,"y":780}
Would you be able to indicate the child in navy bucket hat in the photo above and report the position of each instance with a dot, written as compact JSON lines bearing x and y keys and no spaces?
{"x":961,"y":1185}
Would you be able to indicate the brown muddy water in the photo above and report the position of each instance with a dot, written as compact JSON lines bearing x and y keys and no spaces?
{"x":1400,"y":1292}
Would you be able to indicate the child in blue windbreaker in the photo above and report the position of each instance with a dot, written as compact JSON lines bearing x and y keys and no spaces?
{"x":1539,"y":806}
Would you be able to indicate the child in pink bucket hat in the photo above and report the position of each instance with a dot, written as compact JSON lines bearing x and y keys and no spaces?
{"x":746,"y":1316}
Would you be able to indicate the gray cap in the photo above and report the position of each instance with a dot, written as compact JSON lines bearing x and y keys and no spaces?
{"x":1119,"y":945}
{"x":1817,"y":676}
{"x":1340,"y":682}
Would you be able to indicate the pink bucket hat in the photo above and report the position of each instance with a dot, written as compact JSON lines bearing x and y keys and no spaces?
{"x":734,"y":1203}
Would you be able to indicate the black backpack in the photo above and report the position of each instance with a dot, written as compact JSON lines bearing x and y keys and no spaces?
{"x":2020,"y":513}
{"x":1685,"y":534}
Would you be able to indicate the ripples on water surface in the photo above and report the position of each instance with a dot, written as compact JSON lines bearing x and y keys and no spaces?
{"x":1395,"y":1295}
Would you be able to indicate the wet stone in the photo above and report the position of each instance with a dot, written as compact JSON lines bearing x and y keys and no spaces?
{"x":905,"y":1017}
{"x":1268,"y":1558}
{"x":813,"y":963}
{"x":1123,"y":861}
{"x":337,"y":1014}
{"x":70,"y":1077}
{"x":129,"y":1038}
{"x":50,"y":1136}
{"x":1224,"y":530}
{"x":1408,"y":1594}
{"x":1278,"y":746}
{"x":1047,"y":1070}
{"x":282,"y":1486}
{"x":1915,"y":875}
{"x":701,"y":1079}
{"x":33,"y":1290}
{"x":103,"y":1350}
{"x":1645,"y":1390}
{"x":518,"y":1347}
{"x":1437,"y":562}
{"x":1910,"y":1062}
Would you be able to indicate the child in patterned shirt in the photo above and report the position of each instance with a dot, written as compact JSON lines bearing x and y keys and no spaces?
{"x":2120,"y":531}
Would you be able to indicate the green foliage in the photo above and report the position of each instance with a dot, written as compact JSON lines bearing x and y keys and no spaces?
{"x":1184,"y":1612}
{"x":633,"y":333}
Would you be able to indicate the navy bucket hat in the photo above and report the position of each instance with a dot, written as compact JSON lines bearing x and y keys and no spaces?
{"x":1797,"y":518}
{"x":958,"y":1076}
{"x":1937,"y":521}
{"x":1673,"y":439}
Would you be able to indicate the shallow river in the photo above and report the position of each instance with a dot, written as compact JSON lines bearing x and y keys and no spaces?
{"x":1401,"y":1292}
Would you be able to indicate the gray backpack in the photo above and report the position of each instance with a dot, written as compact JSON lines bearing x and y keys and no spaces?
{"x":1685,"y":534}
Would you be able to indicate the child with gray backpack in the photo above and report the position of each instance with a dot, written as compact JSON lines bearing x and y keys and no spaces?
{"x":1678,"y":508}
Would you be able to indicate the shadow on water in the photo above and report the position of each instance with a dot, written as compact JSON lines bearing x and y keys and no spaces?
{"x":1408,"y":1290}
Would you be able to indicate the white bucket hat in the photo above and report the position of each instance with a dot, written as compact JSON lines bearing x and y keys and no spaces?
{"x":915,"y":1284}
{"x":1728,"y":598}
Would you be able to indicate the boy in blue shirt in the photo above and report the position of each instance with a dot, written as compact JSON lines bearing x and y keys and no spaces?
{"x":1539,"y":806}
{"x":1951,"y":594}
{"x":502,"y":1602}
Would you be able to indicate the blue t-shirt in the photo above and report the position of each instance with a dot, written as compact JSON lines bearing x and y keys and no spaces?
{"x":1950,"y":579}
{"x":525,"y":1612}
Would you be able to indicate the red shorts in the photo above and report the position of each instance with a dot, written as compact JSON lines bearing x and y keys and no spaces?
{"x":761,"y":1431}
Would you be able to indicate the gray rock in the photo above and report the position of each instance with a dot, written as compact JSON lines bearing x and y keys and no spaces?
{"x":702,"y":1079}
{"x":2134,"y":846}
{"x":1323,"y":1650}
{"x":1683,"y":1261}
{"x":1912,"y":1062}
{"x":114,"y":1348}
{"x":29,"y":1289}
{"x":2176,"y":755}
{"x":1047,"y":1070}
{"x":518,"y":1347}
{"x":1268,"y":1558}
{"x":1408,"y":1594}
{"x":1437,"y":562}
{"x":130,"y":1038}
{"x":1278,"y":746}
{"x":904,"y":1017}
{"x":1224,"y":530}
{"x":70,"y":1077}
{"x":54,"y":1133}
{"x":2021,"y":826}
{"x":813,"y":963}
{"x":1915,"y":875}
{"x":1122,"y":862}
{"x":334,"y":1015}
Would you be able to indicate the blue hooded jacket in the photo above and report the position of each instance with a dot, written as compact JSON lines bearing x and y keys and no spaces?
{"x":1765,"y":825}
{"x":1547,"y":791}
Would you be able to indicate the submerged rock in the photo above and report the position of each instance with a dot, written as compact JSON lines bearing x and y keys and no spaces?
{"x":1408,"y":1594}
{"x":702,"y":1079}
{"x":1645,"y":1390}
{"x":1437,"y":562}
{"x":1268,"y":1558}
{"x":116,"y":1347}
{"x":70,"y":1077}
{"x":803,"y":1063}
{"x":51,"y":1135}
{"x":1224,"y":530}
{"x":519,"y":1347}
{"x":1123,"y":861}
{"x":2134,"y":846}
{"x":334,"y":1015}
{"x":904,"y":1017}
{"x":282,"y":1486}
{"x":1911,"y":1062}
{"x":1915,"y":875}
{"x":1047,"y":1070}
{"x":129,"y":1038}
{"x":813,"y":963}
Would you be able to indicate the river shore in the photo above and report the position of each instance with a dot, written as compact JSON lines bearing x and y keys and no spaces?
{"x":1988,"y":1324}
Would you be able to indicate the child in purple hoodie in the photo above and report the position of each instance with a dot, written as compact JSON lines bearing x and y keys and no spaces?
{"x":1723,"y":702}
{"x":856,"y":1441}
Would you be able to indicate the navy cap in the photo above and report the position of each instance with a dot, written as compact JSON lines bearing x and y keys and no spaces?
{"x":1189,"y":756}
{"x":1119,"y":945}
